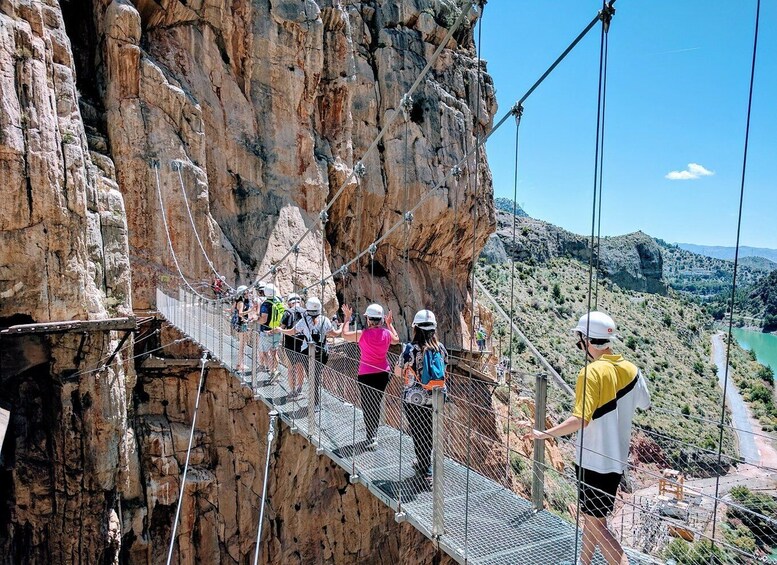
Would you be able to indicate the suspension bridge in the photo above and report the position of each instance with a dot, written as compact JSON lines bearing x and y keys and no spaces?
{"x":470,"y":513}
{"x":475,"y":510}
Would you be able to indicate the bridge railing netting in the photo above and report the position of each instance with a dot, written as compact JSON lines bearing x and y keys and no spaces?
{"x":462,"y":471}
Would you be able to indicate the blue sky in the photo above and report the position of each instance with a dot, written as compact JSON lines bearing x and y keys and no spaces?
{"x":677,"y":95}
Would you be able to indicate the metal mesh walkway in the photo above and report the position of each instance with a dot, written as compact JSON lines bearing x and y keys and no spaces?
{"x":484,"y":522}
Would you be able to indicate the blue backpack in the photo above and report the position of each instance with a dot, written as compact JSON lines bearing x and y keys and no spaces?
{"x":433,"y":372}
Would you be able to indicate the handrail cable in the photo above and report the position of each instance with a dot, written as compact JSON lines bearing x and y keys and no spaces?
{"x":177,"y":165}
{"x":430,"y":63}
{"x":167,"y":233}
{"x":188,"y":455}
{"x":736,"y":255}
{"x":605,"y":15}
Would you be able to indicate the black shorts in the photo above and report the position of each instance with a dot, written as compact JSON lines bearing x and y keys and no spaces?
{"x":597,"y":491}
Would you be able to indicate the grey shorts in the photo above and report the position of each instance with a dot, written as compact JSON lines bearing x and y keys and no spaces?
{"x":268,"y":342}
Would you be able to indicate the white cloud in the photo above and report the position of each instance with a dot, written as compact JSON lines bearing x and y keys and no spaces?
{"x":693,"y":171}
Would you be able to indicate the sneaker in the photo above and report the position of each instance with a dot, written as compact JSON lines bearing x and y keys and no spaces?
{"x":372,"y":444}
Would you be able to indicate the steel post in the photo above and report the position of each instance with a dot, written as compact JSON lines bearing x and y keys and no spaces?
{"x":538,"y":465}
{"x":311,"y":388}
{"x":438,"y":462}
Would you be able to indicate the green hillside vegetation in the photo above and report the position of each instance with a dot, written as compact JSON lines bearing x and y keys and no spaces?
{"x":756,"y":384}
{"x":759,"y":301}
{"x":704,"y":278}
{"x":668,"y":337}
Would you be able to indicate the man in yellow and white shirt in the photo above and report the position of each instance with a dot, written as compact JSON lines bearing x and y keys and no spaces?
{"x":608,"y":391}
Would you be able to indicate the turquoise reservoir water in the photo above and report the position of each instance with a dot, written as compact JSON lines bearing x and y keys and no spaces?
{"x":764,"y":345}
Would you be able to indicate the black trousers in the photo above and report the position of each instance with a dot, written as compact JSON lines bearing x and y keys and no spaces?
{"x":372,"y":386}
{"x":419,"y":420}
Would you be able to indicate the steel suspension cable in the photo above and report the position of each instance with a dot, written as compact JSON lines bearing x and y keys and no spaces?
{"x":186,"y":465}
{"x":736,"y":258}
{"x":601,"y":173}
{"x":518,"y":114}
{"x":194,"y":227}
{"x":476,"y":127}
{"x":605,"y":15}
{"x":407,"y":104}
{"x":483,"y":140}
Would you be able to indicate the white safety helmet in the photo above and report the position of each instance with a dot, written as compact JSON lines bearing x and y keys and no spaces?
{"x":293,"y":298}
{"x":241,"y":289}
{"x":425,"y":320}
{"x":597,"y":325}
{"x":260,"y":286}
{"x":222,"y":278}
{"x":313,"y":306}
{"x":374,"y":311}
{"x":269,"y":290}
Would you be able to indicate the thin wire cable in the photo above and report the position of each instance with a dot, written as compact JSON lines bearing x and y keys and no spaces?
{"x":102,"y":367}
{"x":194,"y":227}
{"x":169,"y":240}
{"x":270,"y":439}
{"x":601,"y":173}
{"x":603,"y":15}
{"x":390,"y":122}
{"x":518,"y":114}
{"x":476,"y":126}
{"x":736,"y":256}
{"x":186,"y":464}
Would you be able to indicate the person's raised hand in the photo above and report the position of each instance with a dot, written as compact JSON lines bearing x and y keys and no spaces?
{"x":347,"y":313}
{"x":389,"y":318}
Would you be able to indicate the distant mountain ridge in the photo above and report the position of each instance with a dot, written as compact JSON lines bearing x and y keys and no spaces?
{"x":727,"y":253}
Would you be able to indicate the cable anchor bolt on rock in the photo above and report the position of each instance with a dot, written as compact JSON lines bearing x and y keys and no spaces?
{"x":360,"y":169}
{"x":324,"y":216}
{"x":408,"y":217}
{"x":456,"y":172}
{"x":606,"y":14}
{"x":406,"y":104}
{"x":273,"y":270}
{"x":373,"y":249}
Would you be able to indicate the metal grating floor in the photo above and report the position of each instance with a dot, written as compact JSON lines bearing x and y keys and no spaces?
{"x":490,"y":525}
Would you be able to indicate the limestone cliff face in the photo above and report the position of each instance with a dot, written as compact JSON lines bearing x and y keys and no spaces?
{"x":63,"y":256}
{"x":266,"y":107}
{"x":633,"y":261}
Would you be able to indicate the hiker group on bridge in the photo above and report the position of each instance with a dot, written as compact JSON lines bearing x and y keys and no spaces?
{"x":290,"y":329}
{"x":608,"y":391}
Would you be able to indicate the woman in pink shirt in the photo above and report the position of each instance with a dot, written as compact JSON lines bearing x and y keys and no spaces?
{"x":374,"y":368}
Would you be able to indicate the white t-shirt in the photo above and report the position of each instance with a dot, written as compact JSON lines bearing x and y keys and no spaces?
{"x":307,"y":326}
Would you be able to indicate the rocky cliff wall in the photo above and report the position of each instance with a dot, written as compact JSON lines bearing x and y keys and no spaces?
{"x":63,"y":256}
{"x":633,"y":261}
{"x":266,"y":106}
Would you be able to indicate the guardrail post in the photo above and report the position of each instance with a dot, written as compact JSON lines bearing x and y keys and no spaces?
{"x":220,"y":329}
{"x":254,"y":359}
{"x":438,"y":462}
{"x":538,"y":465}
{"x":311,"y":388}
